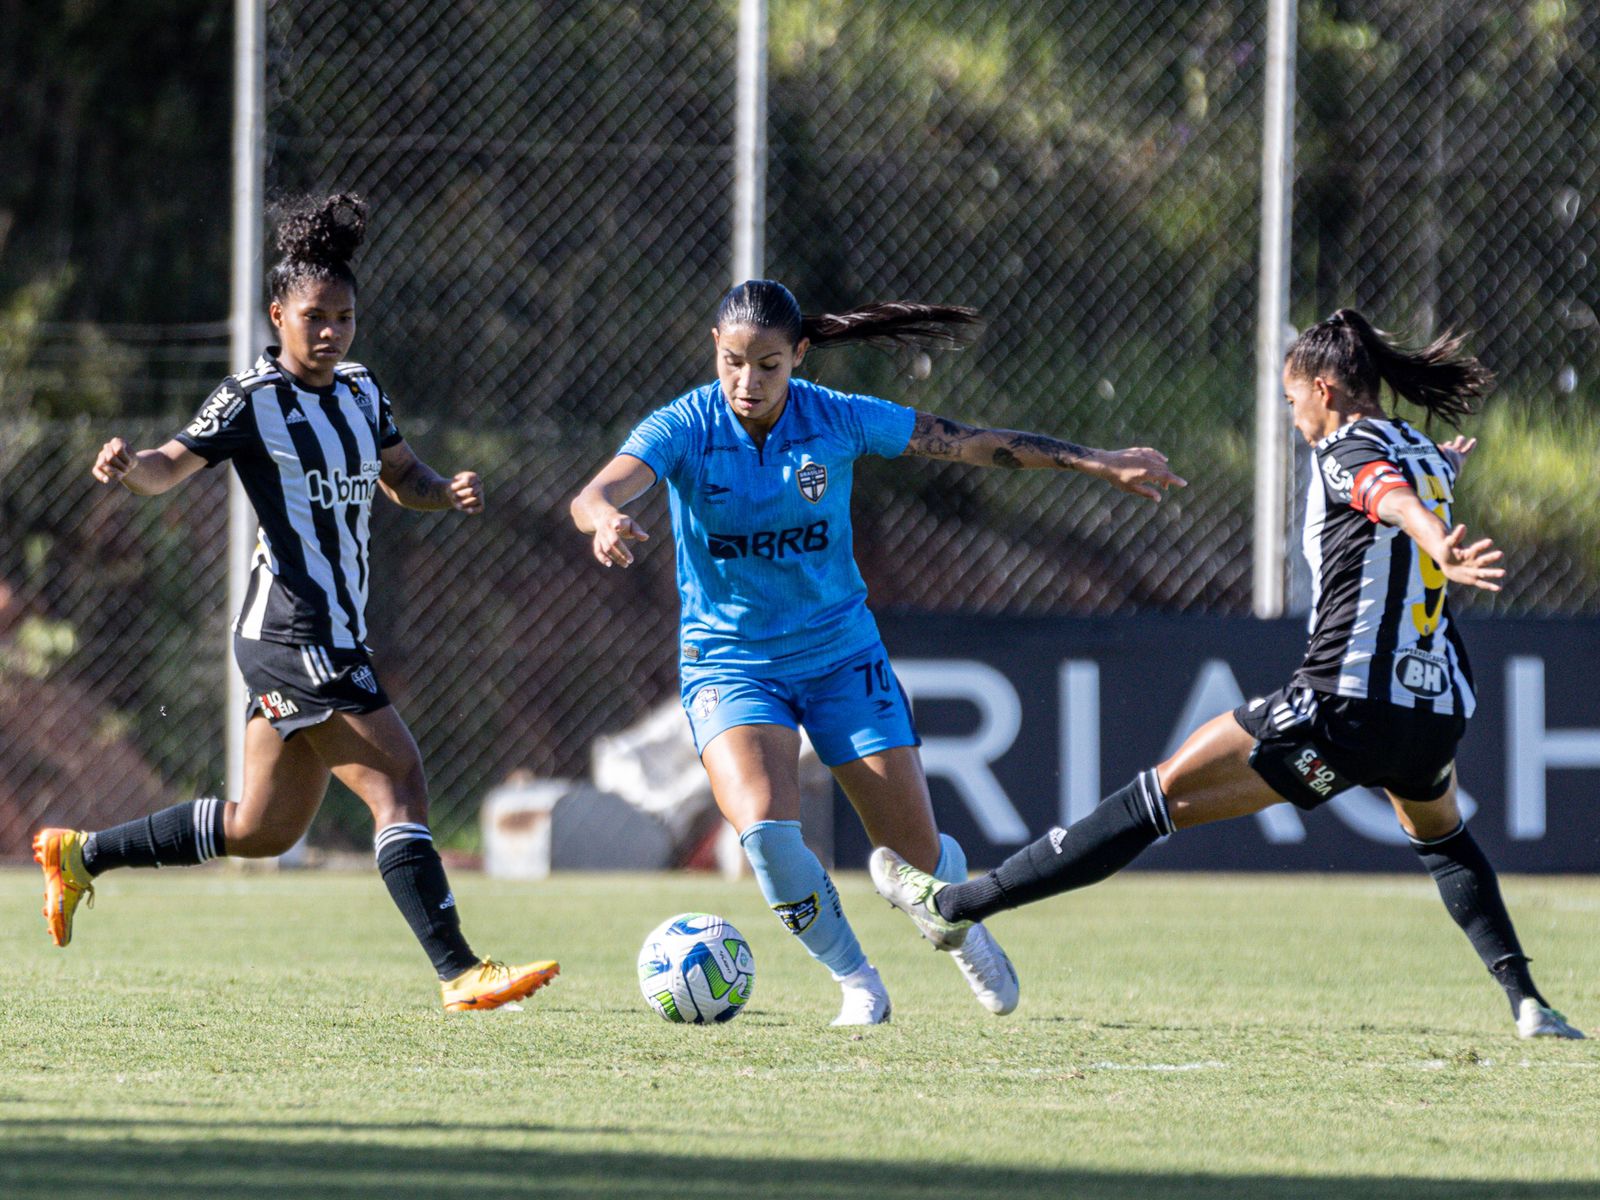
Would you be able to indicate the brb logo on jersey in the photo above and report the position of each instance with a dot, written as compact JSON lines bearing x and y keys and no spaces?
{"x":224,"y":405}
{"x":770,"y":543}
{"x":337,"y":488}
{"x":1425,"y":675}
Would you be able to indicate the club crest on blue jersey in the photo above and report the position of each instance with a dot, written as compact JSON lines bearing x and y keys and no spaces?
{"x":813,"y":481}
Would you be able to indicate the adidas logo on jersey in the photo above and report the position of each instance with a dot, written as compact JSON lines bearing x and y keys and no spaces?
{"x":295,"y":416}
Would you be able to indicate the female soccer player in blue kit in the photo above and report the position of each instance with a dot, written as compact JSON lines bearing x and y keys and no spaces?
{"x":775,"y":631}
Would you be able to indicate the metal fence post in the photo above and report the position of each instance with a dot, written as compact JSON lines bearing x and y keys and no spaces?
{"x":750,"y":145}
{"x":1277,"y":203}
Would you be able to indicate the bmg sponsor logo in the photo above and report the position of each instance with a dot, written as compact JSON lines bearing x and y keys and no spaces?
{"x":336,"y":488}
{"x":770,"y":543}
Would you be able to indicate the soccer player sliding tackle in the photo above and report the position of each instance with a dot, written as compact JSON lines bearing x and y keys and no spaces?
{"x":1381,"y":699}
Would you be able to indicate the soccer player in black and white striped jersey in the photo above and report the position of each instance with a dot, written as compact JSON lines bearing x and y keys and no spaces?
{"x":313,"y":440}
{"x":1382,"y":696}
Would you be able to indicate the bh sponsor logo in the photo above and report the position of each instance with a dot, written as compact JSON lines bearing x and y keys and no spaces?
{"x":770,"y":543}
{"x":1425,"y":675}
{"x":336,"y":488}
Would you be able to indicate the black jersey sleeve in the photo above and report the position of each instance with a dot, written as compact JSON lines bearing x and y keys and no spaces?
{"x":223,"y":426}
{"x":1359,"y":472}
{"x":388,"y":432}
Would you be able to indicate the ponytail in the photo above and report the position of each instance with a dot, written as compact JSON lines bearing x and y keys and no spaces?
{"x":1438,"y":377}
{"x":767,"y":304}
{"x":317,"y":238}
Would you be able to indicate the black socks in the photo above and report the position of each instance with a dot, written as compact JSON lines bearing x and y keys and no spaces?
{"x":184,"y":835}
{"x":1108,"y":839}
{"x":416,"y":880}
{"x":1471,"y":893}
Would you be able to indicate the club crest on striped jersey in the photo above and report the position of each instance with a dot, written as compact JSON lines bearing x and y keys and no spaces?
{"x":813,"y":480}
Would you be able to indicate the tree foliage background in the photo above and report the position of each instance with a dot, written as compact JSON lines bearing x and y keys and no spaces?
{"x":550,"y":185}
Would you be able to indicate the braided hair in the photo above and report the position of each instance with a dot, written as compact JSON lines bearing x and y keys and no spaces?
{"x":1438,"y":377}
{"x":317,"y":236}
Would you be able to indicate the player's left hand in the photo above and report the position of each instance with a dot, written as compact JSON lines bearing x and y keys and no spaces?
{"x":466,"y":493}
{"x":1457,"y":449}
{"x":1471,"y":565}
{"x":1139,"y":471}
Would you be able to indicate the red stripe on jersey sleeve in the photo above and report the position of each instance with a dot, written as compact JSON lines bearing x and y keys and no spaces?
{"x":1373,"y":482}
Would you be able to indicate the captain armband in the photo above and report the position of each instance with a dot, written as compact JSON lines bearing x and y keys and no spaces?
{"x":1372,"y":483}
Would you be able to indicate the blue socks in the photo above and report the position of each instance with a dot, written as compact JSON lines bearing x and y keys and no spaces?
{"x":800,"y":892}
{"x":952,"y":866}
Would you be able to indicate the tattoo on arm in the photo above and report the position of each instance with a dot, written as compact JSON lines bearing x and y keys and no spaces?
{"x":937,"y":437}
{"x":419,"y":486}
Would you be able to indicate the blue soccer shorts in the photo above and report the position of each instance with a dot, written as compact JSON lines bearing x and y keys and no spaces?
{"x":850,"y":709}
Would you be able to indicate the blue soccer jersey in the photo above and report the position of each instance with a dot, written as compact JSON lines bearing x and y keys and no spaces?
{"x":766,"y":572}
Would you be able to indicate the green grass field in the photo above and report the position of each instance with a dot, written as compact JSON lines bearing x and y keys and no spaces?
{"x":227,"y":1035}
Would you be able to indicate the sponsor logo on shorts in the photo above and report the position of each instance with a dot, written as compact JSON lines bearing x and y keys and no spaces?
{"x":813,"y":481}
{"x":224,"y":405}
{"x":364,"y":679}
{"x":798,"y":915}
{"x":276,"y":705}
{"x":769,"y":543}
{"x":706,"y":701}
{"x":1422,"y":674}
{"x":1057,"y":836}
{"x":1315,"y":773}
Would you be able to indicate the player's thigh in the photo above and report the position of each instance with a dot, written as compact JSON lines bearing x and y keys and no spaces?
{"x":374,"y":755}
{"x":889,"y":792}
{"x":284,"y":783}
{"x":1209,"y":777}
{"x":1428,"y":820}
{"x":755,"y":773}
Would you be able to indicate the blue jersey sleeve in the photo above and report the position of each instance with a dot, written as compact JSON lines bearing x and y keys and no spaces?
{"x":879,"y":426}
{"x":661,"y":440}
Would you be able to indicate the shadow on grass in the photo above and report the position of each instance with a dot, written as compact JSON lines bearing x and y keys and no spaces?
{"x":102,"y":1160}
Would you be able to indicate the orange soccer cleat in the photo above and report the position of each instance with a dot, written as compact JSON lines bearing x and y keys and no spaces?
{"x":66,"y":879}
{"x":491,"y":984}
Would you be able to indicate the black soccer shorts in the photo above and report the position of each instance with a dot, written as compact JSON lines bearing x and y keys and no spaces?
{"x":294,"y":687}
{"x":1310,"y":746}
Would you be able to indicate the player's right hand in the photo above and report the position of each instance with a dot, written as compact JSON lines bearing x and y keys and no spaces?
{"x":611,"y":536}
{"x":113,"y":462}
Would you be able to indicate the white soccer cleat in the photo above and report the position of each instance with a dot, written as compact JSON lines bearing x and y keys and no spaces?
{"x":912,"y":892}
{"x":988,"y":971}
{"x":1535,"y":1020}
{"x":866,"y":1000}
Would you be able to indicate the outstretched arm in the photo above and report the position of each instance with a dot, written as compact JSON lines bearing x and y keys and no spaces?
{"x":149,"y":472}
{"x":1469,"y":564}
{"x":1140,"y":470}
{"x":597,"y":509}
{"x":412,"y":483}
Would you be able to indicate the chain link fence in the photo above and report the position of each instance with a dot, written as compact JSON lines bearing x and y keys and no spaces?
{"x":550,"y":188}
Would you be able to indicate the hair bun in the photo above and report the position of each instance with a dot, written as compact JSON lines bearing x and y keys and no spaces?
{"x":323,"y":232}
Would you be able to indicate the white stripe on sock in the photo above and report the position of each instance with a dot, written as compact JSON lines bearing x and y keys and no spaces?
{"x":405,"y":831}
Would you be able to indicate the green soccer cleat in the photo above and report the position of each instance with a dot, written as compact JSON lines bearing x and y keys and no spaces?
{"x":912,"y":892}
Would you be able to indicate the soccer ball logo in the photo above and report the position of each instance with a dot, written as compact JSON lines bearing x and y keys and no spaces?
{"x":696,"y":968}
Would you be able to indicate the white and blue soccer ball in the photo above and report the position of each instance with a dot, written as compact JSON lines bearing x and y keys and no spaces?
{"x":695,"y":968}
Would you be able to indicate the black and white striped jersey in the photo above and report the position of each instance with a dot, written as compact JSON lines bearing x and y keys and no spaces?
{"x":309,"y":461}
{"x":1380,"y":620}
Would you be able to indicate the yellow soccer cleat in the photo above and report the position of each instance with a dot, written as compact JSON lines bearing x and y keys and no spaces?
{"x":66,"y":879}
{"x":491,"y":984}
